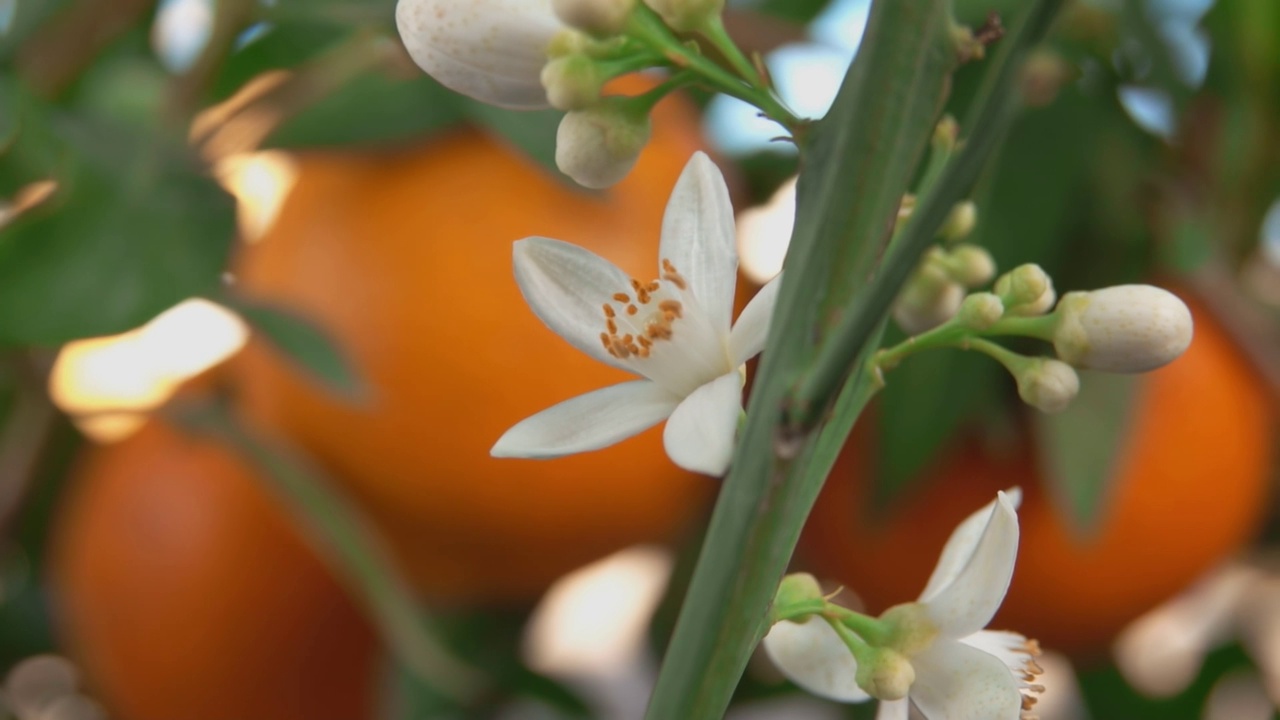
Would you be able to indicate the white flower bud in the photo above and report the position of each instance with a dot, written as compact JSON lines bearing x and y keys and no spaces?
{"x":960,"y":221}
{"x":980,"y":311}
{"x":1124,"y":328}
{"x":1048,"y":385}
{"x":929,"y":299}
{"x":490,"y":50}
{"x":970,"y":265}
{"x":686,"y":15}
{"x":598,"y":146}
{"x":572,"y":82}
{"x":602,"y":18}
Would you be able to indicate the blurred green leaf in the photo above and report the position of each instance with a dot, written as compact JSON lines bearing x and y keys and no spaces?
{"x":923,"y":402}
{"x":278,"y":47}
{"x":373,"y":108}
{"x":1107,"y":695}
{"x":793,"y":10}
{"x":134,"y":228}
{"x":531,"y":132}
{"x":1079,"y":447}
{"x":8,"y":112}
{"x":304,"y":343}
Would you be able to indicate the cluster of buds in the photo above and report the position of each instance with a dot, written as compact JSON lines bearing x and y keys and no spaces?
{"x":531,"y":54}
{"x":1120,"y":329}
{"x":936,"y":289}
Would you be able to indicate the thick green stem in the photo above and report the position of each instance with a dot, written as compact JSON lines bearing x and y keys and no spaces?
{"x":856,"y":165}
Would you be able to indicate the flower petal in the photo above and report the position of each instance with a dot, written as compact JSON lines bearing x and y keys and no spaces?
{"x":1014,"y":650}
{"x":814,"y":657}
{"x":957,"y":682}
{"x":700,"y":433}
{"x":698,"y":238}
{"x":894,"y":709}
{"x":491,"y":50}
{"x":965,"y":602}
{"x":751,"y":329}
{"x":566,"y":287}
{"x":960,"y":546}
{"x":588,"y":422}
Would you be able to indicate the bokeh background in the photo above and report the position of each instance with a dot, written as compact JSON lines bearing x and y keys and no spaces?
{"x":255,"y":295}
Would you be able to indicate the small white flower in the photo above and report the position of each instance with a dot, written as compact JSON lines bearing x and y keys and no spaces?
{"x":961,"y":671}
{"x":674,"y":331}
{"x":490,"y":50}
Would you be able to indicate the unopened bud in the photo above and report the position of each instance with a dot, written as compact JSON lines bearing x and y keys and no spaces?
{"x":572,"y":82}
{"x":797,"y":588}
{"x":601,"y":18}
{"x":1048,"y":385}
{"x":960,"y":222}
{"x":1124,"y":328}
{"x":885,"y":674}
{"x":686,"y":15}
{"x":970,"y":265}
{"x":946,"y":133}
{"x":929,"y":299}
{"x":980,"y":311}
{"x":598,"y":146}
{"x":1023,"y":285}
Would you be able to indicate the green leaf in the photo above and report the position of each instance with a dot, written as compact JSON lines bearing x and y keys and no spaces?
{"x":924,"y":401}
{"x":531,"y":132}
{"x":134,"y":228}
{"x":9,"y":99}
{"x":1079,"y":448}
{"x":372,"y":108}
{"x":304,"y":343}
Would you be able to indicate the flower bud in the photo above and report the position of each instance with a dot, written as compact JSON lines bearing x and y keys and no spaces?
{"x":1025,"y":285}
{"x":1047,"y":385}
{"x":980,"y":311}
{"x":929,"y":299}
{"x":885,"y":674}
{"x":960,"y":222}
{"x":572,"y":82}
{"x":945,"y":134}
{"x":686,"y":15}
{"x":797,"y":588}
{"x":598,"y":146}
{"x":602,"y":18}
{"x":970,"y":265}
{"x":1124,"y":328}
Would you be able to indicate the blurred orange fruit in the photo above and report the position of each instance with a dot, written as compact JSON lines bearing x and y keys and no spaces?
{"x":184,"y":591}
{"x":1189,"y":489}
{"x":405,"y":259}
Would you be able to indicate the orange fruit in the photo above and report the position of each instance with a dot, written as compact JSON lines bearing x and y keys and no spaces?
{"x":1189,"y":489}
{"x":405,"y":259}
{"x":183,"y":590}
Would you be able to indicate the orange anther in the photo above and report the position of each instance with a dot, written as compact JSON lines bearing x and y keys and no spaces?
{"x":608,"y":310}
{"x":622,"y":297}
{"x":632,"y":310}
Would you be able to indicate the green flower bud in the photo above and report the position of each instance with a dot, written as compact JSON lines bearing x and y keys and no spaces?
{"x":1047,"y":385}
{"x":1026,"y":290}
{"x":686,"y":15}
{"x":980,"y":311}
{"x":960,"y":222}
{"x":572,"y":82}
{"x":602,"y":18}
{"x":970,"y":265}
{"x":885,"y":674}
